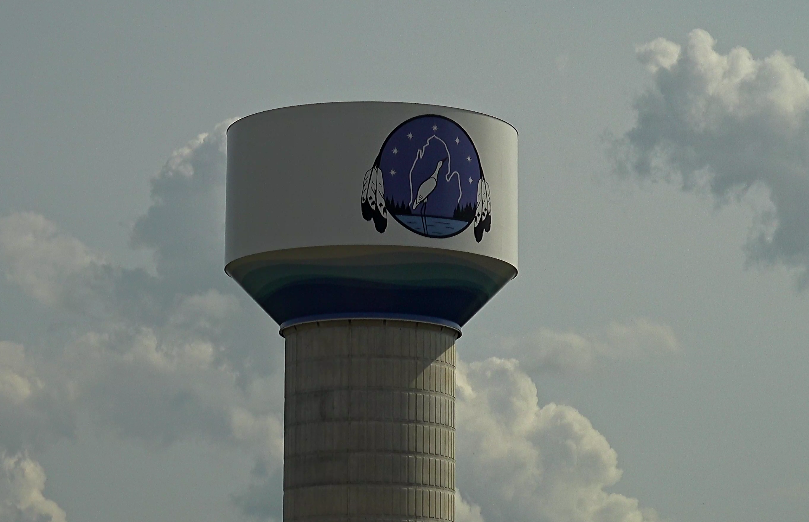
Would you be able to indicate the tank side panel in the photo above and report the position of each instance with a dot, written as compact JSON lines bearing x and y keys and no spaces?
{"x":295,"y":179}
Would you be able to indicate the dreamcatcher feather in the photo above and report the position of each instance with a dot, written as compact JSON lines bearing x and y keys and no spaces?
{"x":483,"y":212}
{"x":373,"y":199}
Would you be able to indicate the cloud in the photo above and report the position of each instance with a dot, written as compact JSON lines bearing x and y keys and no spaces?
{"x":262,"y":498}
{"x":16,"y":383}
{"x":178,"y":353}
{"x":466,"y":511}
{"x":40,"y":259}
{"x":730,"y":125}
{"x":21,"y":483}
{"x":523,"y":462}
{"x":659,"y":53}
{"x":158,"y":374}
{"x":60,"y":271}
{"x":33,"y":413}
{"x":185,"y":225}
{"x":570,"y":352}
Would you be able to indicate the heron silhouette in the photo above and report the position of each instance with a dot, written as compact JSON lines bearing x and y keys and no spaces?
{"x":425,"y":189}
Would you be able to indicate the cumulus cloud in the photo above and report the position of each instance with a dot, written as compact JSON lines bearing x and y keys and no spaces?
{"x":58,"y":270}
{"x":658,"y":53}
{"x":261,"y":500}
{"x":21,"y":483}
{"x":570,"y":352}
{"x":16,"y":383}
{"x":40,"y":259}
{"x":185,"y":225}
{"x":155,"y":356}
{"x":33,"y":412}
{"x":522,"y":461}
{"x":728,"y":124}
{"x":265,"y":433}
{"x":466,"y":511}
{"x":154,"y":363}
{"x":155,"y":375}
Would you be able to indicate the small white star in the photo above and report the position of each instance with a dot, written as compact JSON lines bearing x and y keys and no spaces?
{"x":470,"y":181}
{"x":457,"y":141}
{"x":395,"y":150}
{"x":435,"y":128}
{"x":393,"y":173}
{"x":468,"y":158}
{"x":410,"y":135}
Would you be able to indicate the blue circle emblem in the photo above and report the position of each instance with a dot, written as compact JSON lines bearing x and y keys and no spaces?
{"x":428,"y":176}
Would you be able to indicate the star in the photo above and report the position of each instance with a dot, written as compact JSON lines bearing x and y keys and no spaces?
{"x":457,"y":141}
{"x":435,"y":128}
{"x":395,"y":150}
{"x":470,"y":181}
{"x":393,"y":173}
{"x":468,"y":158}
{"x":410,"y":135}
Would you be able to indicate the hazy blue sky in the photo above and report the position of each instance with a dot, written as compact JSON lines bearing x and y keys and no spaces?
{"x":649,"y":363}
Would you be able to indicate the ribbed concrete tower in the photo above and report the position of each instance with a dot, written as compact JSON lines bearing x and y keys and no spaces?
{"x":369,"y":421}
{"x":370,"y":232}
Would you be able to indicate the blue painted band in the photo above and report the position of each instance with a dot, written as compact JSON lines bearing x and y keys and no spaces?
{"x":393,"y":317}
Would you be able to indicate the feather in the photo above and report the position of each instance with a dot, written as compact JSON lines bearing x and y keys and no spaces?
{"x":380,"y":193}
{"x":483,"y":212}
{"x":372,"y":189}
{"x":378,"y":200}
{"x":367,"y":213}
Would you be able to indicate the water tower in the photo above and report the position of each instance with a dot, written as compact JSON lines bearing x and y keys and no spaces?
{"x":371,"y":233}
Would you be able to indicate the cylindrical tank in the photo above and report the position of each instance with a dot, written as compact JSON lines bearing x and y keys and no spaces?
{"x":371,"y":233}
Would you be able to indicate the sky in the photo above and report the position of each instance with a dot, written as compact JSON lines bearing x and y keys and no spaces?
{"x":648,"y":364}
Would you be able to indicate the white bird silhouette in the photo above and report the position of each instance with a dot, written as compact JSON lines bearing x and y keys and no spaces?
{"x":427,"y":186}
{"x":425,"y":189}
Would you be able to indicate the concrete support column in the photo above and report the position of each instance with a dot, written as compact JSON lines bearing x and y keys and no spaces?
{"x":369,"y":422}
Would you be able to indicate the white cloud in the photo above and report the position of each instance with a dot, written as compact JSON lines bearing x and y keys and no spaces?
{"x":729,"y":124}
{"x":16,"y":383}
{"x":466,"y":511}
{"x":658,"y":53}
{"x":156,"y":357}
{"x":40,"y":259}
{"x":207,"y":311}
{"x":263,"y":433}
{"x":520,"y":461}
{"x":21,"y":483}
{"x":33,"y":412}
{"x":549,"y":350}
{"x":185,"y":225}
{"x":638,"y":337}
{"x":156,"y":372}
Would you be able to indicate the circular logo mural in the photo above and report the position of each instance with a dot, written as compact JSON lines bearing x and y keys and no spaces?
{"x":428,"y":176}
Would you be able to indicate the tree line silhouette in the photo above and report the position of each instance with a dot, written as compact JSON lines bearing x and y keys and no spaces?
{"x":461,"y":213}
